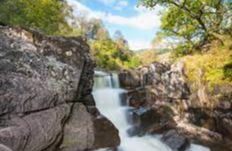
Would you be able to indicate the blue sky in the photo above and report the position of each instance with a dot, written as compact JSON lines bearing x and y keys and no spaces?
{"x":138,"y":25}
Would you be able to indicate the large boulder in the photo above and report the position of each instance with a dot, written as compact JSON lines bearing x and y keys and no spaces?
{"x":175,"y":141}
{"x":136,"y":98}
{"x":174,"y":81}
{"x":154,"y":73}
{"x":150,"y":120}
{"x":36,"y":131}
{"x":85,"y":131}
{"x":106,"y":135}
{"x":156,"y":83}
{"x":39,"y":72}
{"x":78,"y":130}
{"x":129,"y":79}
{"x":45,"y":93}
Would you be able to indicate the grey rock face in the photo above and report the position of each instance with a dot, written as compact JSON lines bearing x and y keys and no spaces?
{"x":4,"y":148}
{"x":39,"y":72}
{"x":165,"y":82}
{"x":200,"y":115}
{"x":161,"y":87}
{"x":44,"y":82}
{"x":78,"y":130}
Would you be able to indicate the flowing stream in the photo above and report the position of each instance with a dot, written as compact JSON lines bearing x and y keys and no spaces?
{"x":107,"y":94}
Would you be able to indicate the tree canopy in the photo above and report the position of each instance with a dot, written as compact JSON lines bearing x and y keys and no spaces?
{"x":113,"y":54}
{"x":48,"y":16}
{"x":194,"y":22}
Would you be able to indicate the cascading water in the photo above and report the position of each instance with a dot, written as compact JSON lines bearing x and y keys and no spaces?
{"x":108,"y":99}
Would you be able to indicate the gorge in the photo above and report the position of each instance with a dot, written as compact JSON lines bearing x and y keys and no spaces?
{"x":109,"y":100}
{"x":51,"y":100}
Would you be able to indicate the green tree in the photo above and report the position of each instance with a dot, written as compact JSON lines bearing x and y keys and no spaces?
{"x":193,"y":22}
{"x":91,"y":29}
{"x":105,"y":54}
{"x":120,"y":40}
{"x":109,"y":56}
{"x":48,"y":16}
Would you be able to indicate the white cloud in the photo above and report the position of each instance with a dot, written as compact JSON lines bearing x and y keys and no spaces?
{"x":145,"y":19}
{"x":120,"y":5}
{"x":79,"y":8}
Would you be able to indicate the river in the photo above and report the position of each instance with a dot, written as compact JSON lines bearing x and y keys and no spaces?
{"x":107,"y":94}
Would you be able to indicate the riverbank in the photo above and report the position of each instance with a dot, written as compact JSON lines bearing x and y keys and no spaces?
{"x":111,"y":101}
{"x":165,"y":101}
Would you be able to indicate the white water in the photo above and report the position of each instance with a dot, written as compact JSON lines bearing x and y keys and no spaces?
{"x":107,"y":96}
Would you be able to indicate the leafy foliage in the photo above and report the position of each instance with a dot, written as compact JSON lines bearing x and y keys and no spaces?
{"x":109,"y":56}
{"x":194,"y":22}
{"x":46,"y":15}
{"x":227,"y":70}
{"x":215,"y":64}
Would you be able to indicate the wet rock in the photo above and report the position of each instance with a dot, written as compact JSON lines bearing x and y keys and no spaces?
{"x":135,"y":131}
{"x":150,"y":120}
{"x":106,"y":135}
{"x":129,"y":79}
{"x":124,"y":97}
{"x":144,"y":117}
{"x":137,"y":98}
{"x":129,"y":116}
{"x":175,"y":141}
{"x":163,"y":99}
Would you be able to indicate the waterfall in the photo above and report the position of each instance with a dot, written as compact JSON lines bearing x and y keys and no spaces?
{"x":107,"y":94}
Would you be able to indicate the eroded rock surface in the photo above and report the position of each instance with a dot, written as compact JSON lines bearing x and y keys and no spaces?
{"x":164,"y":100}
{"x":45,"y":93}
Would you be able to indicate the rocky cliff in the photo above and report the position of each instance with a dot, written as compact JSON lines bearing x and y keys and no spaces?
{"x":45,"y":95}
{"x":164,"y":102}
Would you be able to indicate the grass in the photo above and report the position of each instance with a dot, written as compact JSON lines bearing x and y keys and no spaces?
{"x":215,"y":65}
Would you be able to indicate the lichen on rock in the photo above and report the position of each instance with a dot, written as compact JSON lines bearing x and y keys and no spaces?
{"x":44,"y":83}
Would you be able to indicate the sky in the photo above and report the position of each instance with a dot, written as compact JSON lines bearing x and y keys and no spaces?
{"x":138,"y":24}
